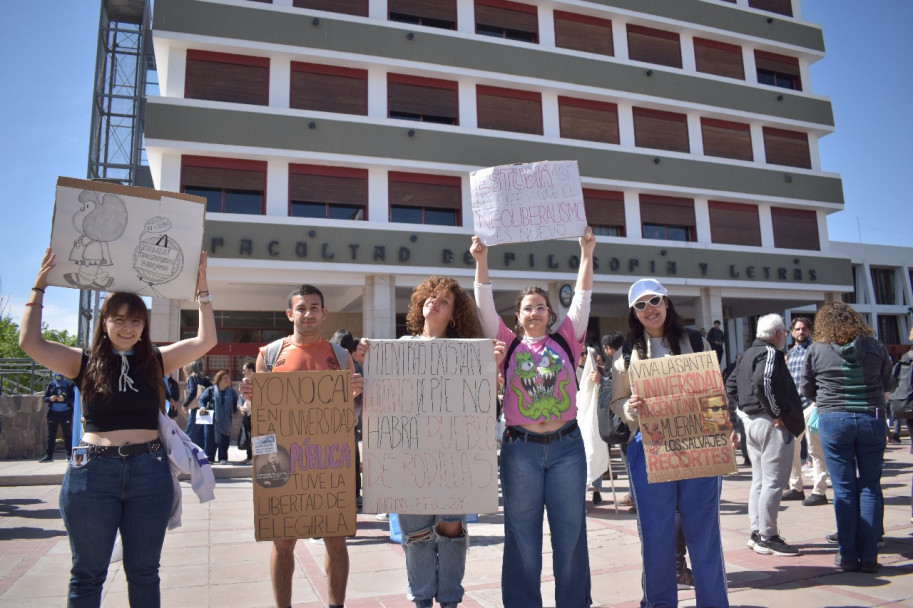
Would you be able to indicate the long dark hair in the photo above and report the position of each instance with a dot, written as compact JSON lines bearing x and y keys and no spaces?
{"x":533,"y":291}
{"x":99,"y":380}
{"x":673,"y":331}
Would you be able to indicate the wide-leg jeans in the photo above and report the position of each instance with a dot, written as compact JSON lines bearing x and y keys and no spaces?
{"x":434,"y":563}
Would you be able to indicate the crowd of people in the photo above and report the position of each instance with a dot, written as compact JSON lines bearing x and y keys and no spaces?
{"x":831,"y":391}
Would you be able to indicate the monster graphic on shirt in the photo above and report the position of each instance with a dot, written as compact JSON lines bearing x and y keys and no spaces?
{"x":535,"y":385}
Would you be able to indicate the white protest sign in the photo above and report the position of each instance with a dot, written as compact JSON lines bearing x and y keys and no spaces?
{"x":428,"y":427}
{"x":109,"y":237}
{"x":527,"y":202}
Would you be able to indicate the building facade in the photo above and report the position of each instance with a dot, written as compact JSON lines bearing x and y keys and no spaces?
{"x":333,"y":141}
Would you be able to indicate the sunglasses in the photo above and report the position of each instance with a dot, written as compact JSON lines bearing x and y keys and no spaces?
{"x":654,"y":302}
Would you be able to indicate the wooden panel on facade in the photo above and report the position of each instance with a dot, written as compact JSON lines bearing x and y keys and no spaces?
{"x":358,"y":8}
{"x":787,"y":148}
{"x":795,"y":228}
{"x":654,"y":46}
{"x":726,"y":139}
{"x":713,"y":57}
{"x":734,"y":224}
{"x":328,"y":89}
{"x":509,"y":110}
{"x":227,"y":77}
{"x":583,"y":33}
{"x":588,"y":120}
{"x":662,"y":130}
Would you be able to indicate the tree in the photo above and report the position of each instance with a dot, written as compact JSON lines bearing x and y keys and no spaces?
{"x":9,"y":342}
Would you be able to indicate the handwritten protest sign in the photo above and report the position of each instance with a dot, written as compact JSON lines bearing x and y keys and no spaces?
{"x":303,"y":427}
{"x":429,"y":428}
{"x":527,"y":202}
{"x":109,"y":237}
{"x":684,"y":421}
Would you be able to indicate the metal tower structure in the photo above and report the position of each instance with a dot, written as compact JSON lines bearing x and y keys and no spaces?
{"x":124,"y":63}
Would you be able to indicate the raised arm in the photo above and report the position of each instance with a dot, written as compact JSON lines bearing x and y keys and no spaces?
{"x":181,"y":353}
{"x":579,"y":311}
{"x":485,"y":299}
{"x":52,"y":355}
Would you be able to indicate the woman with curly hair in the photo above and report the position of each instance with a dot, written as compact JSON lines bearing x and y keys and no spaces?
{"x":435,"y":545}
{"x":846,"y":374}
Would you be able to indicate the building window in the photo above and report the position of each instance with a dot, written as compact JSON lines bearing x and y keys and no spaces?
{"x":718,"y":58}
{"x":583,"y":33}
{"x":781,"y":7}
{"x":787,"y":148}
{"x":795,"y":228}
{"x":587,"y":119}
{"x":228,"y":185}
{"x":431,"y":13}
{"x":425,"y":199}
{"x":654,"y":46}
{"x":334,"y":193}
{"x":327,"y":88}
{"x":884,"y":284}
{"x":509,"y":110}
{"x":511,"y":20}
{"x":734,"y":224}
{"x":726,"y":139}
{"x":778,"y":70}
{"x":889,"y":329}
{"x":227,"y":77}
{"x":605,"y":211}
{"x":662,"y":130}
{"x":667,"y":218}
{"x":359,"y":8}
{"x":423,"y":99}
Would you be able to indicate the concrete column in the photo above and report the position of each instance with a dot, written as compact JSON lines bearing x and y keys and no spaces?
{"x":379,"y":312}
{"x":377,"y":9}
{"x":689,"y":63}
{"x":767,"y":226}
{"x":378,"y":196}
{"x":377,"y":92}
{"x":469,"y":116}
{"x":626,"y":124}
{"x":170,"y":175}
{"x":280,"y":81}
{"x":165,"y":321}
{"x":632,"y":216}
{"x":695,"y":134}
{"x":620,"y":38}
{"x":277,"y":188}
{"x":466,"y":16}
{"x":702,"y":221}
{"x":758,"y":152}
{"x":546,"y":17}
{"x":174,"y":76}
{"x":551,"y":118}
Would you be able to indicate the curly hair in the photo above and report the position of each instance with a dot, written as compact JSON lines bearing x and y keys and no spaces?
{"x":673,"y":331}
{"x":100,"y":376}
{"x":533,"y":291}
{"x":838,"y":323}
{"x":464,"y":320}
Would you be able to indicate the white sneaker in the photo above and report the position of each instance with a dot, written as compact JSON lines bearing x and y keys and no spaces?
{"x":382,"y":517}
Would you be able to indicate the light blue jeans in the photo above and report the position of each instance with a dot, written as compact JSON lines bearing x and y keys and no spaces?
{"x":132,"y":494}
{"x":853,"y":444}
{"x":434,"y":563}
{"x":536,"y":477}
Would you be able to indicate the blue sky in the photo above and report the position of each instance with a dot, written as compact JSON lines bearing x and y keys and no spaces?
{"x":50,"y":46}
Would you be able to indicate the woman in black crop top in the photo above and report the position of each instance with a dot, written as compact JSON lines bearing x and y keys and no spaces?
{"x":118,"y":478}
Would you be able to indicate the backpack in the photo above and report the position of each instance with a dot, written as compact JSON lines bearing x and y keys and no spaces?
{"x":617,"y":430}
{"x":275,"y":347}
{"x":612,"y":428}
{"x":902,"y":396}
{"x":557,"y":338}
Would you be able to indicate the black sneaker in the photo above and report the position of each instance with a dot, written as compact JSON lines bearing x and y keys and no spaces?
{"x":869,"y":567}
{"x":685,"y":579}
{"x":815,"y":500}
{"x":776,"y":546}
{"x":753,"y":539}
{"x":47,"y":459}
{"x":846,"y":565}
{"x":832,"y":538}
{"x":793,"y":495}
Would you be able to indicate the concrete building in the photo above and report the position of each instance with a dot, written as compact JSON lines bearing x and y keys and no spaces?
{"x":333,"y":140}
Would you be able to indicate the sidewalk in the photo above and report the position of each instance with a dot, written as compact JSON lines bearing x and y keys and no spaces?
{"x":213,"y":559}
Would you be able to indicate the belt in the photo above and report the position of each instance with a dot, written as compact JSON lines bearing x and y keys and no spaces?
{"x":128,"y":449}
{"x":513,"y":432}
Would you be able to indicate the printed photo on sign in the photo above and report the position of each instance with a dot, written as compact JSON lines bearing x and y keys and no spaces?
{"x":272,"y":470}
{"x":109,"y":237}
{"x":429,"y":432}
{"x":684,"y":421}
{"x":527,"y":202}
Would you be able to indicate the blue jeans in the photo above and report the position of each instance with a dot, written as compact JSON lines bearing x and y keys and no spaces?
{"x":851,"y":442}
{"x":209,"y":441}
{"x":536,"y":477}
{"x":133,"y":494}
{"x":698,"y":504}
{"x":193,"y":430}
{"x":434,"y":563}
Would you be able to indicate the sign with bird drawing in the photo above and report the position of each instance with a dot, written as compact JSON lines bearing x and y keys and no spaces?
{"x":110,"y":237}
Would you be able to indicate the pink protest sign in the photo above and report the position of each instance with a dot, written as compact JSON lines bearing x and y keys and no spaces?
{"x":527,"y":202}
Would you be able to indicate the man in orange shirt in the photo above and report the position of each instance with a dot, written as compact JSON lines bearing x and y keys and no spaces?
{"x":307,"y":350}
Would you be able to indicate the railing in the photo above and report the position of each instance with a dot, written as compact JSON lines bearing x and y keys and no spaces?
{"x":23,"y":377}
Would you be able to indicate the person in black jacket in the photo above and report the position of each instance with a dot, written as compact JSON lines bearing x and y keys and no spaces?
{"x":771,"y":411}
{"x":59,"y":397}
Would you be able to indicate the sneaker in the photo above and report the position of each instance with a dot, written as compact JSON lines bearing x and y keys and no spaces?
{"x":831,"y":538}
{"x":815,"y":500}
{"x":685,"y":579}
{"x":597,"y":497}
{"x":626,"y":501}
{"x":776,"y":546}
{"x":47,"y":459}
{"x":753,"y":539}
{"x":382,"y":517}
{"x":869,"y":567}
{"x":846,"y":565}
{"x":793,"y":495}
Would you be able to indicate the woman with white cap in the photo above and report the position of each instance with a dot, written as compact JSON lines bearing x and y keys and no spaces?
{"x":656,"y":331}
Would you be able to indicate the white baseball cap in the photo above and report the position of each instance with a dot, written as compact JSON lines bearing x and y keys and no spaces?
{"x":645,"y":287}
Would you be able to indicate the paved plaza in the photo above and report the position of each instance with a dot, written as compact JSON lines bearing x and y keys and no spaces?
{"x":213,"y":560}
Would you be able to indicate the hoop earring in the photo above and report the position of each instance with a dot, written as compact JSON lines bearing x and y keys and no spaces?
{"x":452,"y":322}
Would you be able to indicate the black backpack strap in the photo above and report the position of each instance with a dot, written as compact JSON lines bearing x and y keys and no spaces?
{"x":696,"y":339}
{"x":510,"y":350}
{"x":567,"y":351}
{"x":626,"y":349}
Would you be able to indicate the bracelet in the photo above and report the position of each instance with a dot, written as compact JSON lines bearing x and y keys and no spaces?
{"x":207,"y":299}
{"x":37,"y":289}
{"x":34,"y":304}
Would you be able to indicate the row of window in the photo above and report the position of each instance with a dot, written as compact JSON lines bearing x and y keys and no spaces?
{"x":239,"y":186}
{"x":244,"y":79}
{"x":518,"y":21}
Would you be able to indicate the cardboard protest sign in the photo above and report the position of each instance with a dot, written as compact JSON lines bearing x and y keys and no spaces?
{"x":527,"y":202}
{"x":303,"y":428}
{"x":429,"y":428}
{"x":684,"y":422}
{"x":109,"y":237}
